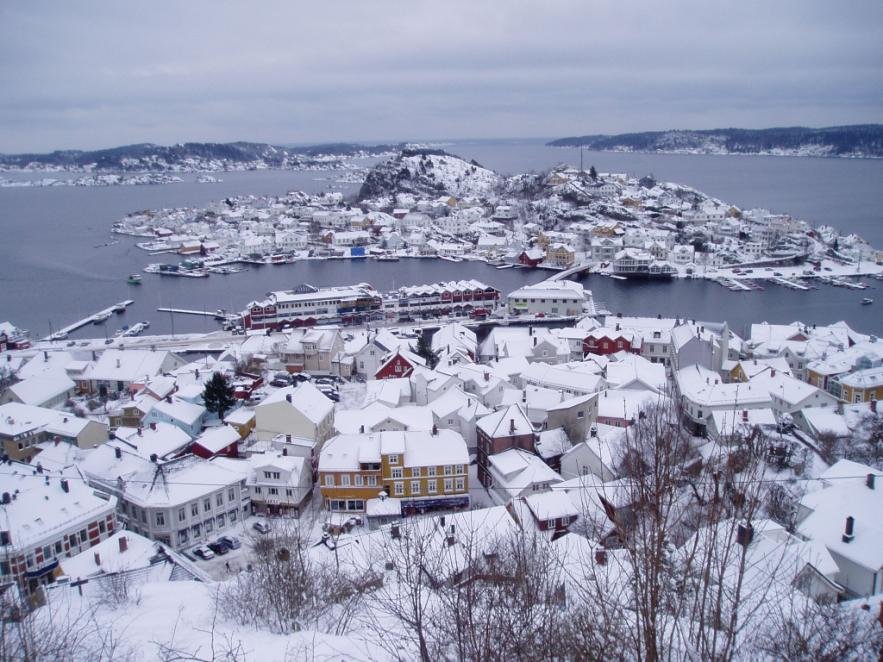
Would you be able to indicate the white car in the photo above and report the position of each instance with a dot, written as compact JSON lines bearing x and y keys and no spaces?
{"x":203,"y":552}
{"x":261,"y":527}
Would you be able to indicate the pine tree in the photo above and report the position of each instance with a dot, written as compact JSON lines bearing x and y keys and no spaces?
{"x":424,"y":351}
{"x":218,"y":395}
{"x":593,"y":174}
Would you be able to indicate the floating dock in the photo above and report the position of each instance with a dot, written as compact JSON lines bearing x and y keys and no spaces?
{"x":62,"y":333}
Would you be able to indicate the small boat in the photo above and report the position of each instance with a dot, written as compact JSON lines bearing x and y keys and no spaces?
{"x":134,"y":279}
{"x":387,"y":258}
{"x":59,"y":335}
{"x":867,"y":302}
{"x":505,"y":266}
{"x":451,"y":258}
{"x":119,"y":308}
{"x":101,"y":318}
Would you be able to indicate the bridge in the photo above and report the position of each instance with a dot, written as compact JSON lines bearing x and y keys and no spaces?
{"x":567,"y":273}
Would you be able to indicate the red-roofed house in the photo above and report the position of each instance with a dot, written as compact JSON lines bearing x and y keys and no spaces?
{"x":400,"y":363}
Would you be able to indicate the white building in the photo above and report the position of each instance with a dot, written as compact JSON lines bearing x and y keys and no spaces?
{"x":301,"y":411}
{"x":561,"y":298}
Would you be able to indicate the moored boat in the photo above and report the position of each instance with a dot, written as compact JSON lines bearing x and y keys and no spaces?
{"x":134,"y":279}
{"x":867,"y":301}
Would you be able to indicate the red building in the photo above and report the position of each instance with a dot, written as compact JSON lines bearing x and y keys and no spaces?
{"x":531,"y":258}
{"x":504,"y":429}
{"x":609,"y":341}
{"x":399,"y":364}
{"x":219,"y":441}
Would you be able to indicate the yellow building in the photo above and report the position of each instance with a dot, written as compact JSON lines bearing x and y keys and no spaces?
{"x":560,"y":255}
{"x":862,"y":385}
{"x":422,"y":470}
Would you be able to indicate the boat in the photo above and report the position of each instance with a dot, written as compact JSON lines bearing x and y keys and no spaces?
{"x":387,"y":258}
{"x":451,"y":258}
{"x":119,"y":308}
{"x":101,"y":318}
{"x":59,"y":335}
{"x":505,"y":266}
{"x":867,"y":302}
{"x":134,"y":279}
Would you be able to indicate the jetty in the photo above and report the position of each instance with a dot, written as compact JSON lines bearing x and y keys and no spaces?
{"x":185,"y":311}
{"x":62,"y":333}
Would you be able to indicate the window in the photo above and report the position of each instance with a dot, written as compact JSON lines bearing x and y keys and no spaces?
{"x":182,"y":514}
{"x":449,"y":485}
{"x":580,"y":414}
{"x":273,"y":491}
{"x":393,"y":459}
{"x":397,"y":473}
{"x":430,"y":471}
{"x":206,"y":505}
{"x":102,"y":528}
{"x":461,"y":469}
{"x":160,"y":519}
{"x":329,"y":480}
{"x":182,"y":536}
{"x":289,"y":492}
{"x":415,"y":487}
{"x":399,"y":489}
{"x":271,"y":475}
{"x":231,"y":494}
{"x":358,"y":480}
{"x":232,"y":515}
{"x":372,"y":481}
{"x":431,"y":486}
{"x":196,"y":530}
{"x":194,"y":509}
{"x":219,"y":499}
{"x":448,"y":469}
{"x":415,"y":472}
{"x":221,"y":520}
{"x":209,"y":525}
{"x":257,"y":490}
{"x":59,"y":548}
{"x":460,"y":484}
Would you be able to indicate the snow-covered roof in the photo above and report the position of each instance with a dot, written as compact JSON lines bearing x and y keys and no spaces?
{"x":108,"y":556}
{"x":516,"y":470}
{"x":161,"y":439}
{"x":374,"y":414}
{"x":306,"y":398}
{"x":218,"y":438}
{"x":509,"y":421}
{"x":419,"y":449}
{"x":43,"y":388}
{"x":17,"y":418}
{"x":550,"y":505}
{"x":549,"y":289}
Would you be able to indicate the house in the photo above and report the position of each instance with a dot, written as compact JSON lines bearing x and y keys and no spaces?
{"x":156,"y":440}
{"x":178,"y":412}
{"x":844,"y":516}
{"x":517,"y":473}
{"x":280,"y":484}
{"x":398,"y":363}
{"x":311,"y":350}
{"x":46,"y":390}
{"x":861,"y":385}
{"x":222,"y":440}
{"x":378,"y":417}
{"x":531,"y":257}
{"x":425,"y":470}
{"x":242,"y":420}
{"x":22,"y":427}
{"x":131,"y":413}
{"x":599,"y":455}
{"x":550,"y":512}
{"x":302,"y":411}
{"x":604,"y":341}
{"x":178,"y":503}
{"x":563,"y":298}
{"x":702,"y":392}
{"x":125,"y":370}
{"x":455,"y":337}
{"x":560,"y":255}
{"x":507,"y":428}
{"x":47,"y":517}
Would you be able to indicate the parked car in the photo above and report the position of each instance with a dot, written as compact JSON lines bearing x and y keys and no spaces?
{"x":261,"y":527}
{"x":203,"y":552}
{"x":231,"y":542}
{"x":302,"y":377}
{"x":279,"y":383}
{"x":218,"y":547}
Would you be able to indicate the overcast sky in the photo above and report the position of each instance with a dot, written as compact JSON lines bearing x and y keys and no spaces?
{"x":89,"y":74}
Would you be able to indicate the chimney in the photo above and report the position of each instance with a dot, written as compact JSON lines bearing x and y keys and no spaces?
{"x":169,"y":399}
{"x":118,"y":363}
{"x":772,"y":372}
{"x":534,"y":341}
{"x":849,"y":533}
{"x":139,"y":432}
{"x":196,"y":373}
{"x":124,"y":543}
{"x":441,"y":521}
{"x":434,"y":430}
{"x":869,"y":481}
{"x":97,"y":558}
{"x":617,"y":326}
{"x":601,"y":556}
{"x":487,"y":376}
{"x":511,"y":426}
{"x":65,"y":487}
{"x":524,"y":395}
{"x":288,"y":438}
{"x":744,"y":534}
{"x":593,"y":432}
{"x":745,"y":415}
{"x":45,"y":355}
{"x":118,"y":452}
{"x":153,"y":425}
{"x":154,"y":457}
{"x":361,"y":429}
{"x":284,"y":452}
{"x":288,"y":397}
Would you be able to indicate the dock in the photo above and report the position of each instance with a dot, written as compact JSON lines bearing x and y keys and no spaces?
{"x":70,"y":328}
{"x":185,"y":311}
{"x":791,"y":284}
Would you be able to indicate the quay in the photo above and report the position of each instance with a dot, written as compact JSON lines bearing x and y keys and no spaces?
{"x":62,"y":333}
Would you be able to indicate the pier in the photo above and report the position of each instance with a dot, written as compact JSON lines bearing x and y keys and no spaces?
{"x":62,"y":333}
{"x":185,"y":311}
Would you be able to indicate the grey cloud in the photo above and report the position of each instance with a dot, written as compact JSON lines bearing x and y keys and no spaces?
{"x":97,"y":74}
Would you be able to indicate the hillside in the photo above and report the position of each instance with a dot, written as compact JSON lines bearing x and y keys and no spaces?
{"x":429,"y":172}
{"x":147,"y":157}
{"x":860,"y":140}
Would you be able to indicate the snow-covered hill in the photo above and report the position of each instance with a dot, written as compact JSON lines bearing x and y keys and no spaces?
{"x":429,"y":172}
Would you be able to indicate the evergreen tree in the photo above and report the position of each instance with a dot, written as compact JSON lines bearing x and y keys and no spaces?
{"x":424,"y":351}
{"x":218,"y":395}
{"x":593,"y":174}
